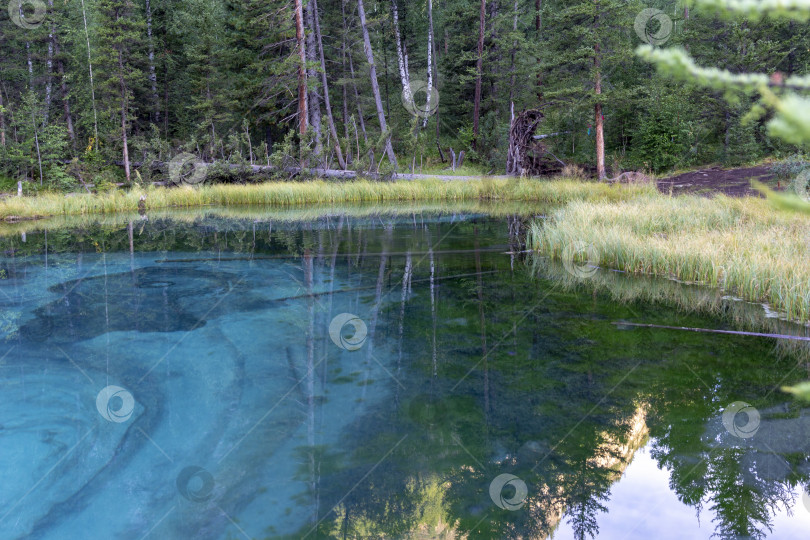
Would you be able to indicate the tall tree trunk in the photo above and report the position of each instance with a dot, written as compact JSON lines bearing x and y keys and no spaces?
{"x":348,"y":53}
{"x":2,"y":121}
{"x":152,"y":73}
{"x":53,"y":52}
{"x":375,"y":87}
{"x":27,"y":51}
{"x":495,"y":54}
{"x":512,"y":64}
{"x":482,"y":319}
{"x":303,"y":114}
{"x":402,"y":59}
{"x":386,"y":77}
{"x":433,"y":311}
{"x":49,"y":65}
{"x":343,"y":73}
{"x":60,"y":66}
{"x":124,"y":107}
{"x":599,"y":117}
{"x":436,"y":82}
{"x":36,"y":141}
{"x":309,"y":386}
{"x":314,"y":98}
{"x":479,"y":70}
{"x":360,"y":114}
{"x":329,"y":117}
{"x":92,"y":86}
{"x":166,"y":99}
{"x":538,"y":26}
{"x":30,"y":66}
{"x":357,"y":100}
{"x":209,"y":99}
{"x":430,"y":60}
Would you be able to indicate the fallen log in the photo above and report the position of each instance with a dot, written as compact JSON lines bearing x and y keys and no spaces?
{"x":314,"y":172}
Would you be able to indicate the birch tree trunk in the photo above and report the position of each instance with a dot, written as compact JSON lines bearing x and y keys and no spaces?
{"x":402,"y":59}
{"x":430,"y":60}
{"x":27,"y":50}
{"x":329,"y":116}
{"x":92,"y":86}
{"x":303,"y":114}
{"x":375,"y":87}
{"x":314,"y":98}
{"x":433,"y":314}
{"x":344,"y":86}
{"x":436,"y":81}
{"x":30,"y":66}
{"x":124,"y":107}
{"x":479,"y":73}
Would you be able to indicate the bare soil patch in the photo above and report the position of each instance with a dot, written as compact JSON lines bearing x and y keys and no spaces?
{"x":714,"y":180}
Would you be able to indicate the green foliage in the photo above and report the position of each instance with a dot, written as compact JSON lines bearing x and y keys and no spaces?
{"x":791,"y":167}
{"x":791,"y":121}
{"x":219,"y":79}
{"x":662,"y":139}
{"x":800,"y":184}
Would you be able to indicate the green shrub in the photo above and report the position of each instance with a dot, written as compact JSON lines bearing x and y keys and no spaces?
{"x":791,"y":167}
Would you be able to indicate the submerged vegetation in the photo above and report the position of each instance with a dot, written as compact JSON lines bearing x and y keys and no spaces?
{"x":642,"y":293}
{"x":317,"y":192}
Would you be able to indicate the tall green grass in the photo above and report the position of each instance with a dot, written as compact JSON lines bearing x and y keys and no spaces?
{"x":317,"y":192}
{"x":286,"y":214}
{"x":744,"y":246}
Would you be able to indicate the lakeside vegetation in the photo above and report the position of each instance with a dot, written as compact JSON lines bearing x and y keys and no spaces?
{"x":316,"y":192}
{"x":745,"y":246}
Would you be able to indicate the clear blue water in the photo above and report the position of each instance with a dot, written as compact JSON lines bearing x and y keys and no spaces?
{"x":190,"y":387}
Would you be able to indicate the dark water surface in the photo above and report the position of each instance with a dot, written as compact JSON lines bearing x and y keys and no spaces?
{"x":376,"y":377}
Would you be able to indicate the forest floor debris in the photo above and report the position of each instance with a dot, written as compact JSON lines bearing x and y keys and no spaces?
{"x":715,"y":180}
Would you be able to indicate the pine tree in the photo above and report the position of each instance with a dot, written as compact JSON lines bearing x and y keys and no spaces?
{"x":120,"y":28}
{"x":583,"y":65}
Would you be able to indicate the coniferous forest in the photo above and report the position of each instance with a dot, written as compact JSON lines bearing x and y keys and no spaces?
{"x":102,"y":90}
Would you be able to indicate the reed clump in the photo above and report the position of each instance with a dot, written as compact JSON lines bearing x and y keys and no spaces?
{"x":316,"y":192}
{"x":744,"y":246}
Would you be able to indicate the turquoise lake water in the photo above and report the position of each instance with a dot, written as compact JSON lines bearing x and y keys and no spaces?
{"x":379,"y":377}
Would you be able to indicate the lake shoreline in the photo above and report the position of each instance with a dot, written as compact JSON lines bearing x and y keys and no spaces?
{"x":745,"y":246}
{"x":315,"y":192}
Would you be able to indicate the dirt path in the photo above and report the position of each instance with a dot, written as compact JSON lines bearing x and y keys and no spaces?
{"x":708,"y":182}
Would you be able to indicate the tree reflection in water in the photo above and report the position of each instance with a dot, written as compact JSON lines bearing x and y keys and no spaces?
{"x":497,"y":363}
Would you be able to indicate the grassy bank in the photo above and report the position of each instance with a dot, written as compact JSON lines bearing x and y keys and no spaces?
{"x":317,"y":192}
{"x":744,"y":246}
{"x":279,"y":214}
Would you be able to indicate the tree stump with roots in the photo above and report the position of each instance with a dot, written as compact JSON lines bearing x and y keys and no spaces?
{"x":527,"y":154}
